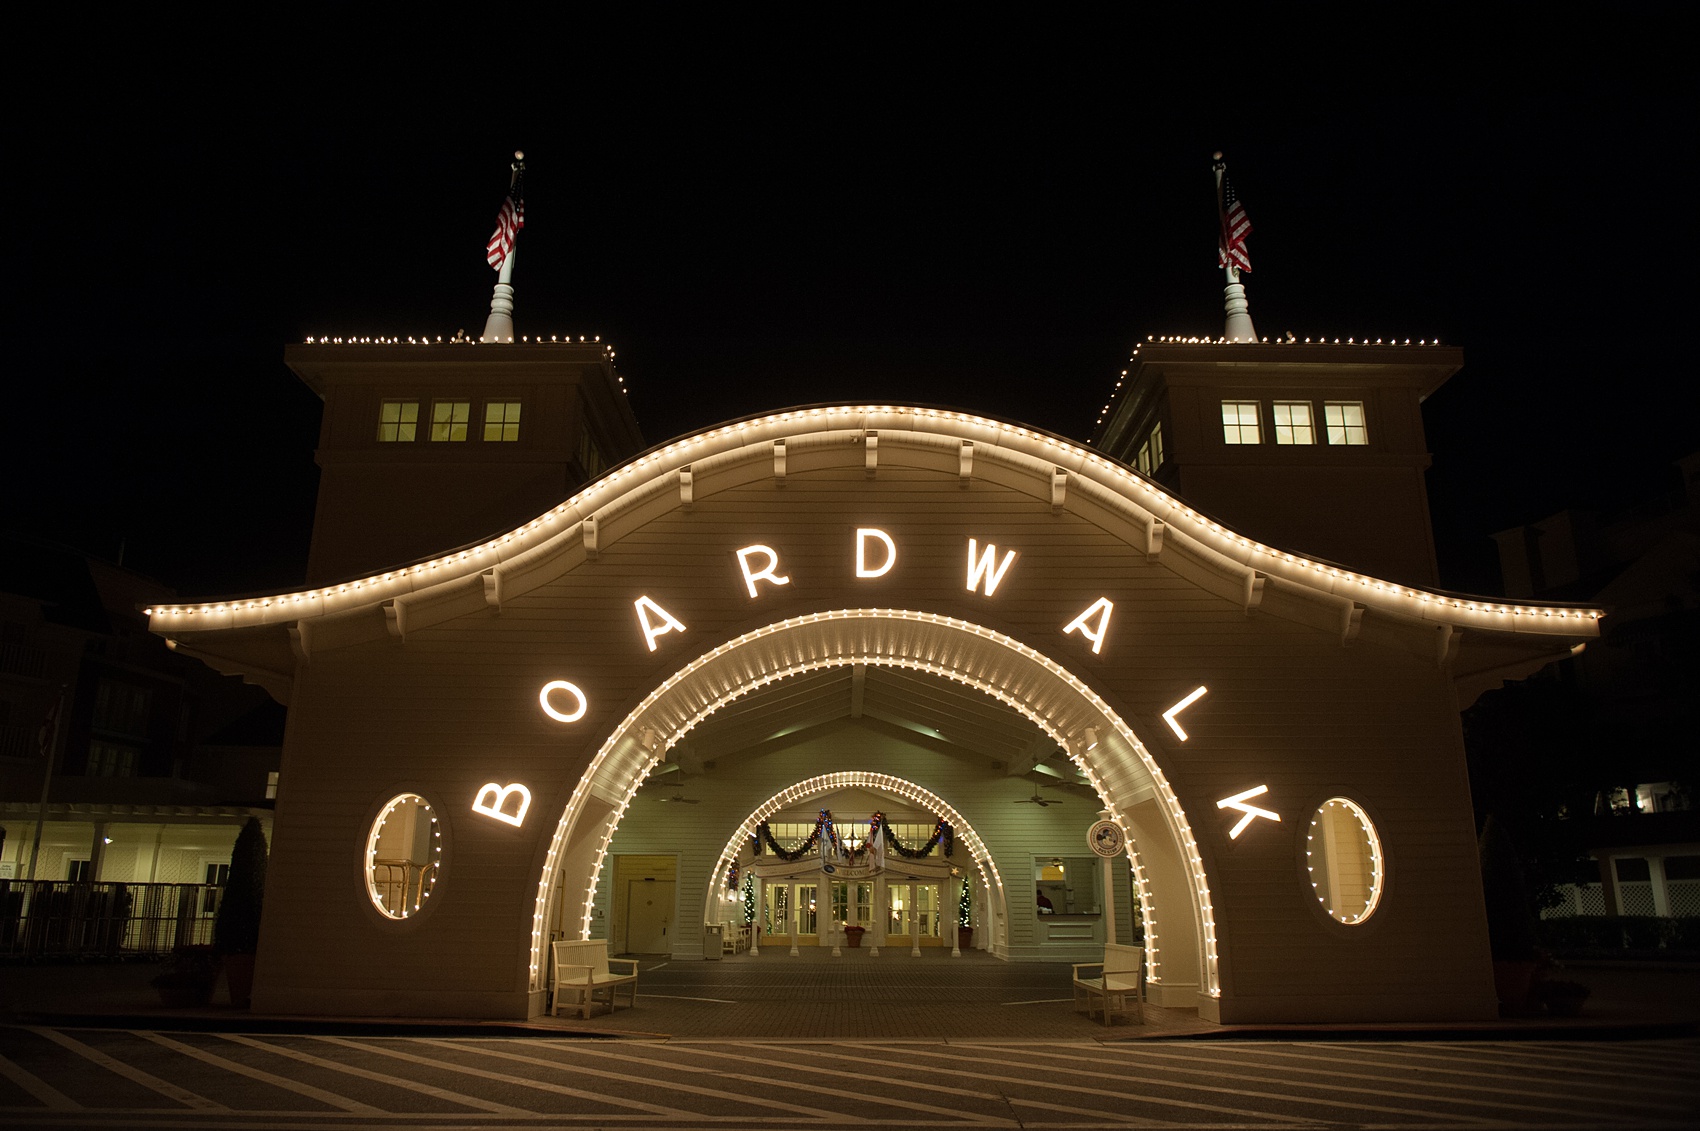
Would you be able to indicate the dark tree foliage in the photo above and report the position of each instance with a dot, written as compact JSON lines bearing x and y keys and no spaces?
{"x":1537,"y":761}
{"x":1511,"y":920}
{"x":236,"y":930}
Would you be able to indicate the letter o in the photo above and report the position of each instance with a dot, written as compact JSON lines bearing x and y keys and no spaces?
{"x":571,"y":689}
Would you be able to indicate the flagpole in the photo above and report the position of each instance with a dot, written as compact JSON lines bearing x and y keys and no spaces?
{"x":1238,"y":327}
{"x":499,"y":327}
{"x":47,"y":780}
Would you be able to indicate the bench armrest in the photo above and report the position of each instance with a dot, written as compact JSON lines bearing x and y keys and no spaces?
{"x":632,"y":963}
{"x":1079,"y":966}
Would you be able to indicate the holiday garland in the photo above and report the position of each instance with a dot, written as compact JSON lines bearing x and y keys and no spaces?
{"x":763,"y":840}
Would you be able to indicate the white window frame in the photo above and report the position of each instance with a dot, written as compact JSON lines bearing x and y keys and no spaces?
{"x":401,"y":426}
{"x":501,"y":421}
{"x":449,"y":421}
{"x":1299,"y":425}
{"x":1237,"y":427}
{"x":1343,"y":431}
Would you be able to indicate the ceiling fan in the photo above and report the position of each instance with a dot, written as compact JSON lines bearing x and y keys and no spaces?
{"x":1036,"y":799}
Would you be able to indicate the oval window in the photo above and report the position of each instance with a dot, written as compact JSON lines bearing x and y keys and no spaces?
{"x":1344,"y":857}
{"x":402,"y":854}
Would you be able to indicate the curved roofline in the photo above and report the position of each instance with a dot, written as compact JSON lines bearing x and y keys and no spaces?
{"x":1039,"y":453}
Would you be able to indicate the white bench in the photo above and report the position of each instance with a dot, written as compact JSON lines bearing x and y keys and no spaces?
{"x":1115,"y":989}
{"x":582,"y":972}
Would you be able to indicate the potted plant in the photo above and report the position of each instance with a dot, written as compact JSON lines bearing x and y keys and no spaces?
{"x":236,"y":929}
{"x":853,"y":935}
{"x":189,"y":977}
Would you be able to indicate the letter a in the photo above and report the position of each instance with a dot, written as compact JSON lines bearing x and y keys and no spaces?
{"x":766,"y":572}
{"x":985,"y":565}
{"x":667,"y":622}
{"x":1099,"y":609}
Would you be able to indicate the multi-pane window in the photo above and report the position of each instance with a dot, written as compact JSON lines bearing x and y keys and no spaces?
{"x":501,"y":420}
{"x":398,"y":422}
{"x":271,"y":785}
{"x":1239,"y":423}
{"x":1150,"y":456}
{"x":121,"y":708}
{"x":111,"y":760}
{"x":1293,"y":424}
{"x":448,"y":420}
{"x":77,"y":871}
{"x":1345,"y":420}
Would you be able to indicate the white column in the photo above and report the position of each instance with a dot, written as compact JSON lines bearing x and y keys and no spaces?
{"x":1661,"y":893}
{"x":830,"y":911}
{"x":915,"y":920}
{"x":881,"y":914}
{"x":794,"y":909}
{"x":1111,"y":923}
{"x":761,"y":916}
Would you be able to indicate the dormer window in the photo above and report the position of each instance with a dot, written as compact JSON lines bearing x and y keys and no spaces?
{"x":1293,"y":424}
{"x":448,"y":421}
{"x":501,"y":421}
{"x":398,"y":422}
{"x":1239,"y":423}
{"x":1345,"y":420}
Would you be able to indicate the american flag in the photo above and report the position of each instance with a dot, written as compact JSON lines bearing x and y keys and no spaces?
{"x":1236,"y":226}
{"x":508,"y":223}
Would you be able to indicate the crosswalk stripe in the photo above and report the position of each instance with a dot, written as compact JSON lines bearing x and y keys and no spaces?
{"x":1142,"y":1097}
{"x":135,"y":1075}
{"x":1479,"y":1056}
{"x":1536,"y":1085}
{"x":423,"y":1089}
{"x":37,"y":1087}
{"x":627,"y":1078}
{"x":1250,"y":1093}
{"x":441,"y":1065}
{"x":330,"y":1098}
{"x":863,"y":1098}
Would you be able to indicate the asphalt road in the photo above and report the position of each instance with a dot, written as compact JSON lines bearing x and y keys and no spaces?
{"x":123,"y":1078}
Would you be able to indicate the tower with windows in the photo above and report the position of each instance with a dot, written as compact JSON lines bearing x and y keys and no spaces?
{"x":431,"y":444}
{"x":1316,"y":448}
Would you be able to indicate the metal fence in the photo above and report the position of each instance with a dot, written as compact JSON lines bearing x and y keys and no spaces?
{"x":69,"y":919}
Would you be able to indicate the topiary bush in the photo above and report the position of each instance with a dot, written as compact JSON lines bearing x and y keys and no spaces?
{"x":236,"y":930}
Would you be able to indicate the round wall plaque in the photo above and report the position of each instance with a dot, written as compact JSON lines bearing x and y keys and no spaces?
{"x":1105,"y":838}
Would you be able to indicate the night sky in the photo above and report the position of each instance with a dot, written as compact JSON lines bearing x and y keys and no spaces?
{"x":987,"y":217}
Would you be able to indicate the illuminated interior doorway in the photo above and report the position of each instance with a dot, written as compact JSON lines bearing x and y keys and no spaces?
{"x":1113,"y":763}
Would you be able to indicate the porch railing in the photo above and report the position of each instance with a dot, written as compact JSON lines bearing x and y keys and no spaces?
{"x":71,"y":919}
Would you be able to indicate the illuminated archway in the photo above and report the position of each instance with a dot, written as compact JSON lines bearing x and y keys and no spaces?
{"x":862,"y":779}
{"x":1168,"y":869}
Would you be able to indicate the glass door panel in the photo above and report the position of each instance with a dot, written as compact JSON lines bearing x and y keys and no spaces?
{"x":900,"y":909}
{"x":927,"y":910}
{"x":807,"y":915}
{"x":864,"y":905}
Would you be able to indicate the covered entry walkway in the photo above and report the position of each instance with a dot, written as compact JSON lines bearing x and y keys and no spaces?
{"x":815,"y":997}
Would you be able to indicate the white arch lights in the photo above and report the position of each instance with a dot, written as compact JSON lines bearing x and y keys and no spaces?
{"x":946,"y":647}
{"x":863,"y":779}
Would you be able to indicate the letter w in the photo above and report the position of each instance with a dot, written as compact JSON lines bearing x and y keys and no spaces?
{"x":983,"y":565}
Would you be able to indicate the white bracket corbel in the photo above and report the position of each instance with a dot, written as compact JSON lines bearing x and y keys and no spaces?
{"x":1351,"y":620}
{"x":1154,"y":539}
{"x":1059,"y":489}
{"x":779,"y":462}
{"x":685,"y":487}
{"x":1446,"y":642}
{"x":965,"y":463}
{"x":588,"y":533}
{"x":871,"y":452}
{"x":300,"y":641}
{"x":1253,"y":596}
{"x":395,"y":619}
{"x":492,"y":588}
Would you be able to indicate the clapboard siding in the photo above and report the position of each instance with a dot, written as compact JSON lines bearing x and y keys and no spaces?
{"x":452,"y":704}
